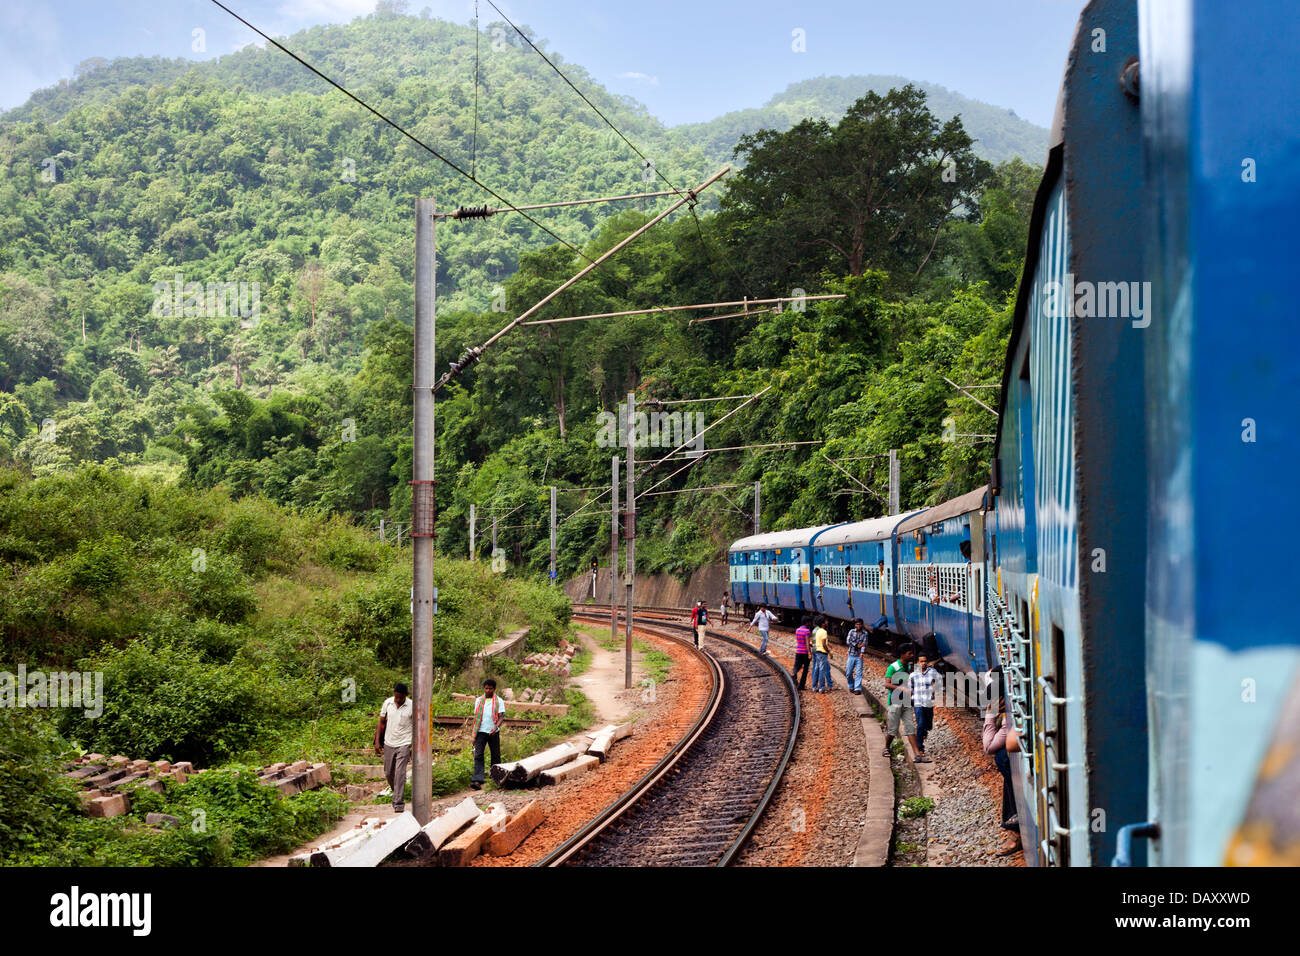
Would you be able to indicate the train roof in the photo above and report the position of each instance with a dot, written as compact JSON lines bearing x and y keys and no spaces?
{"x":793,"y":538}
{"x":873,"y":529}
{"x":971,"y":501}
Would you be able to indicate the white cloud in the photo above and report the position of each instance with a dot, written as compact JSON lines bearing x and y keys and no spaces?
{"x":652,"y":80}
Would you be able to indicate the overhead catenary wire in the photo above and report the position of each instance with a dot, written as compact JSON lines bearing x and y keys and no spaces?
{"x":685,"y":308}
{"x":648,"y":163}
{"x":595,"y":108}
{"x":421,"y":143}
{"x":473,"y":354}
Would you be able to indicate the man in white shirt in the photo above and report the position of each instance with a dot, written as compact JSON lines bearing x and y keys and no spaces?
{"x":393,"y":740}
{"x":489,"y":715}
{"x":763,"y":621}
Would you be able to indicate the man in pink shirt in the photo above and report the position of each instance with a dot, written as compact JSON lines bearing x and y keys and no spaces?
{"x":801,"y":653}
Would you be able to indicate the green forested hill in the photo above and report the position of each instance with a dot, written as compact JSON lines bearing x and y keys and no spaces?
{"x":141,"y":181}
{"x":999,"y":133}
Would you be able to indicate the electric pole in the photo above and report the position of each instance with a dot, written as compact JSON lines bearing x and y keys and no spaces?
{"x":553,"y":578}
{"x":423,"y":514}
{"x":894,"y":476}
{"x":471,"y":531}
{"x":757,"y":493}
{"x":629,"y":535}
{"x":613,"y":550}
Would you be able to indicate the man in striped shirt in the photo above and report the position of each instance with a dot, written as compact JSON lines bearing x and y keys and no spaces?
{"x":920,"y":685}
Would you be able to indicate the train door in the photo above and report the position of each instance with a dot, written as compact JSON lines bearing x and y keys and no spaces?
{"x":974,"y":551}
{"x":800,"y":574}
{"x":819,"y":578}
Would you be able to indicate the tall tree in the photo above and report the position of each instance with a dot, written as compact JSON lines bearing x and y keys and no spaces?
{"x":872,"y":192}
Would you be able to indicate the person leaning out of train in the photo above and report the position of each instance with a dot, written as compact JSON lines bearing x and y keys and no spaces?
{"x":1000,"y":740}
{"x":899,"y":715}
{"x":763,"y":621}
{"x":856,"y":639}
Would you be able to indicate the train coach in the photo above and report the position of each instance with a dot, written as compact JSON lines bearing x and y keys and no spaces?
{"x":1143,"y":421}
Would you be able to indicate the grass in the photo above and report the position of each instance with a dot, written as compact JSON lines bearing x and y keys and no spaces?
{"x":907,"y":846}
{"x":915,"y":807}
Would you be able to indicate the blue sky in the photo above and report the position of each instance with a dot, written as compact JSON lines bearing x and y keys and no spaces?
{"x":687,"y":61}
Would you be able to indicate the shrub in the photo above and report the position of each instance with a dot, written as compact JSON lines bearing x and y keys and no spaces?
{"x":34,"y":795}
{"x":160,"y":701}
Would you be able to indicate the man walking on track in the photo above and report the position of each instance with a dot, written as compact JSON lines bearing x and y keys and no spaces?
{"x":393,"y":740}
{"x":699,"y":621}
{"x":857,"y":642}
{"x":800,"y":672}
{"x":489,"y":715}
{"x":763,"y":621}
{"x":900,"y":703}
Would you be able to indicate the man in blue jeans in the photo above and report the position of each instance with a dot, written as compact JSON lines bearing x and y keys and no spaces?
{"x":763,"y":621}
{"x":857,"y":642}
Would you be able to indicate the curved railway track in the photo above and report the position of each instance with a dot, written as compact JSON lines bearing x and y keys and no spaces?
{"x":699,"y":804}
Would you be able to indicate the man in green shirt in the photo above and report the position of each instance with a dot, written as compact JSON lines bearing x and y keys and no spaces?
{"x":899,"y":710}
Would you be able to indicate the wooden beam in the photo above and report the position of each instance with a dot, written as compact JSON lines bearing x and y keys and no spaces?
{"x":574,"y":768}
{"x":470,"y":843}
{"x":505,"y":841}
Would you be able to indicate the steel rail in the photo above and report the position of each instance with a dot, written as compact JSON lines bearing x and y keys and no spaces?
{"x":586,"y":836}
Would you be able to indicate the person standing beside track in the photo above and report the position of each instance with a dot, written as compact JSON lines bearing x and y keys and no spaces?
{"x":900,"y":703}
{"x":723,"y":607}
{"x":699,"y":621}
{"x":800,"y":672}
{"x":921,"y":686}
{"x":763,"y":621}
{"x":821,"y":667}
{"x":856,"y":639}
{"x":1000,"y":739}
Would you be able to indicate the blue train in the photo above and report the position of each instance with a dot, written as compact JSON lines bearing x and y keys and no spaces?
{"x":1146,"y":428}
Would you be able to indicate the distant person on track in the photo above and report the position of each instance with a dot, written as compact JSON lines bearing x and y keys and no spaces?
{"x":489,"y":715}
{"x":393,"y":740}
{"x":821,"y":645}
{"x":699,"y":621}
{"x":899,"y":713}
{"x":763,"y":621}
{"x":800,"y":672}
{"x":920,"y":684}
{"x":726,"y":599}
{"x":856,"y":639}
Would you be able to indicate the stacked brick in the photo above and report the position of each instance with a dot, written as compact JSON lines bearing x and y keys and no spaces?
{"x":557,"y":663}
{"x":106,"y":781}
{"x":291,"y":778}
